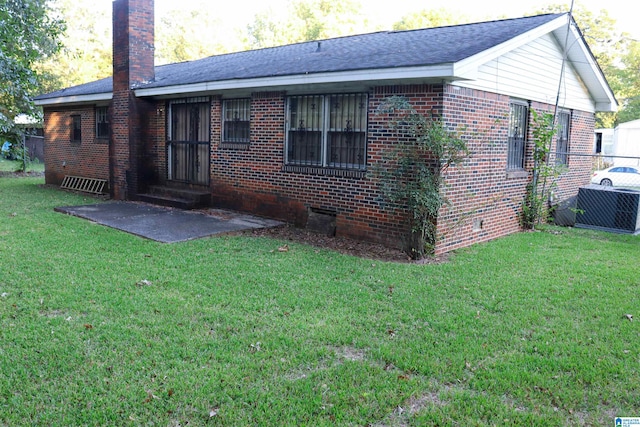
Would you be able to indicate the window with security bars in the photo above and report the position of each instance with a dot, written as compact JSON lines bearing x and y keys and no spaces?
{"x":102,"y":122}
{"x":76,"y":128}
{"x":518,"y":118}
{"x":562,"y":147}
{"x":327,"y":131}
{"x":236,"y":115}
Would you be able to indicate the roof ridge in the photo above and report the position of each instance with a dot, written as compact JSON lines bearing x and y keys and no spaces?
{"x":300,"y":43}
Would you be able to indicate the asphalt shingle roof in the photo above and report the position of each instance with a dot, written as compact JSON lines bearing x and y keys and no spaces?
{"x":389,"y":49}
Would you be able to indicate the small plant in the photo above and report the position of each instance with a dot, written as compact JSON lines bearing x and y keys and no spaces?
{"x":411,"y":173}
{"x":535,"y":207}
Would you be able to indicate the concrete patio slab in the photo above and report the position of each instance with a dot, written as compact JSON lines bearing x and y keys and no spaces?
{"x":166,"y":225}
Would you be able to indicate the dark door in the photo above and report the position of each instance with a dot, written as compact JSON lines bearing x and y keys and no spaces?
{"x":189,"y":140}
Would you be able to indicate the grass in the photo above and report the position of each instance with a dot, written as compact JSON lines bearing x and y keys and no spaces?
{"x":15,"y":165}
{"x":99,"y":327}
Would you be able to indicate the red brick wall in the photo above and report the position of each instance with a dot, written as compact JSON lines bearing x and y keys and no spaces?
{"x":580,"y":157}
{"x":253,"y":178}
{"x":485,"y":201}
{"x":479,"y":191}
{"x":89,"y":158}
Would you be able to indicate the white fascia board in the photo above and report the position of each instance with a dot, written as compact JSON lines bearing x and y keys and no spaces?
{"x":444,"y":71}
{"x":78,"y":99}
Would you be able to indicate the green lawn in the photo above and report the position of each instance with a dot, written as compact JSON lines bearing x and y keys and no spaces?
{"x":99,"y":327}
{"x":14,"y":165}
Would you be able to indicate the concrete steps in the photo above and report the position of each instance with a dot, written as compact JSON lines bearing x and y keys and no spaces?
{"x":176,"y":197}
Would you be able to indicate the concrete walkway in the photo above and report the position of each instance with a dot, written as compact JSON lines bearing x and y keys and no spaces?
{"x":166,"y":225}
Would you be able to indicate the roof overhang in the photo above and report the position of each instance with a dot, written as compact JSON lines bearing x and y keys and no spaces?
{"x":389,"y":75}
{"x":74,"y":100}
{"x":577,"y":53}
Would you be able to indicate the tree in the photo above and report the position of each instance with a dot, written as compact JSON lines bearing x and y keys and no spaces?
{"x":28,"y":34}
{"x":607,"y":44}
{"x":628,"y":84}
{"x":307,"y":20}
{"x":429,"y":19}
{"x":194,"y":33}
{"x":85,"y":54}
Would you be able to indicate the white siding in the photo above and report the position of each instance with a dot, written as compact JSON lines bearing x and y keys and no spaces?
{"x":532,"y":72}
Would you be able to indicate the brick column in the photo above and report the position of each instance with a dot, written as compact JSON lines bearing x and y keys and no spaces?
{"x":133,"y":64}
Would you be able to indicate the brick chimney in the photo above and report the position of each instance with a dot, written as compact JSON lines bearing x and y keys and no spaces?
{"x":133,"y":64}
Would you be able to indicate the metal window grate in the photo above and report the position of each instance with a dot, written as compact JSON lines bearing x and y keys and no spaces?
{"x":87,"y":185}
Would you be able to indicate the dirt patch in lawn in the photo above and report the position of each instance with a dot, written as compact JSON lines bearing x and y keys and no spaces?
{"x":343,"y":245}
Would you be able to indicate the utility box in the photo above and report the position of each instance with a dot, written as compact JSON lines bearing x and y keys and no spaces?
{"x":608,"y":209}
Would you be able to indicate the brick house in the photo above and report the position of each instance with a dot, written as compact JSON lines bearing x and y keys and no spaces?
{"x":293,"y":131}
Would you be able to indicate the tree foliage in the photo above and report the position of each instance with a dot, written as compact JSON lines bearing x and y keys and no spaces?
{"x":197,"y":32}
{"x":86,"y":46}
{"x":28,"y":34}
{"x":628,"y":84}
{"x":609,"y":46}
{"x":307,"y":20}
{"x":430,"y":19}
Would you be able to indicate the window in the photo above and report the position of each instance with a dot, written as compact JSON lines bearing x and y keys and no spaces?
{"x":190,"y":120}
{"x":598,"y":142}
{"x":518,"y":116}
{"x":102,"y":122}
{"x":562,"y":147}
{"x":235,"y":122}
{"x":76,"y":128}
{"x":327,"y":131}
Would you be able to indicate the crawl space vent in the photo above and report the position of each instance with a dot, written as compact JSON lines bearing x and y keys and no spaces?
{"x":87,"y":185}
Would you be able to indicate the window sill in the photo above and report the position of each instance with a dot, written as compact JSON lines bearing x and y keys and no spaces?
{"x":102,"y":140}
{"x":517,"y":174}
{"x":234,"y":145}
{"x":318,"y":170}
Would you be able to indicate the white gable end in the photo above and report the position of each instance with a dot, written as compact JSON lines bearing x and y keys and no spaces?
{"x":533,"y":72}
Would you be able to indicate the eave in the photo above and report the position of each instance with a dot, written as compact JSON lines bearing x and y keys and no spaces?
{"x":387,"y":75}
{"x":75,"y":100}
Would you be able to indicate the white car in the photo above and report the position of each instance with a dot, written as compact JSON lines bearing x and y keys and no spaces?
{"x":617,"y":176}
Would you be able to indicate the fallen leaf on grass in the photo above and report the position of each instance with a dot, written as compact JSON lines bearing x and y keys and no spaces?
{"x":213,"y":412}
{"x":88,"y":326}
{"x":144,"y":282}
{"x":150,"y":396}
{"x":284,"y":248}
